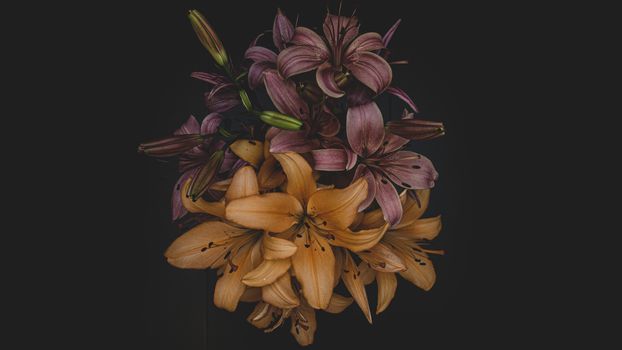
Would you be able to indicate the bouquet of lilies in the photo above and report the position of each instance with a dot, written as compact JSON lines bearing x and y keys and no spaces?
{"x":290,"y":196}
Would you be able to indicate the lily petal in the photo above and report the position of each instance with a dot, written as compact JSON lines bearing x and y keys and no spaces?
{"x":359,"y":240}
{"x":282,"y":30}
{"x":382,"y":258}
{"x":274,"y":212}
{"x":386,"y":38}
{"x":414,"y":204}
{"x":291,"y":141}
{"x":338,"y":303}
{"x":256,"y":73}
{"x":355,"y":285}
{"x":267,"y":272}
{"x":243,"y":184}
{"x":248,"y":150}
{"x":393,"y":142}
{"x":304,"y":36}
{"x":262,"y":315}
{"x":251,"y":295}
{"x":191,"y":126}
{"x":325,"y":76}
{"x":399,"y":93}
{"x":277,"y":248}
{"x":409,"y":170}
{"x":365,"y":128}
{"x":339,"y":261}
{"x":362,"y":171}
{"x":211,"y":78}
{"x":387,"y":285}
{"x":365,"y":42}
{"x":300,"y":181}
{"x":388,"y":199}
{"x":304,"y":324}
{"x":260,"y":54}
{"x":284,"y":95}
{"x":203,"y":245}
{"x":178,"y":208}
{"x":270,"y":176}
{"x":229,"y":288}
{"x":419,"y":269}
{"x":314,"y":268}
{"x":210,"y":123}
{"x":299,"y":59}
{"x":371,"y":70}
{"x":280,"y":293}
{"x":330,"y":159}
{"x":340,"y":30}
{"x":421,"y":229}
{"x":337,"y":208}
{"x":368,"y":275}
{"x":201,"y":205}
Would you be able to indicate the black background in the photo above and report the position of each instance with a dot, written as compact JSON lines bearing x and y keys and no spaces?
{"x":474,"y":66}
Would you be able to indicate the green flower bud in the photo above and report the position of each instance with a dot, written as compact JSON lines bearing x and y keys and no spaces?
{"x":246,"y":102}
{"x":208,"y":37}
{"x":280,"y":120}
{"x":206,"y":175}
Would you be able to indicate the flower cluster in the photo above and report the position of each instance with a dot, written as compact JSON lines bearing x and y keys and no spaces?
{"x":289,"y":201}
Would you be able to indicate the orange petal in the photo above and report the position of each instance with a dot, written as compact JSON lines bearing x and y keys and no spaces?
{"x":419,"y":269}
{"x":368,"y":275}
{"x":420,"y":229}
{"x":314,"y":265}
{"x":277,"y":248}
{"x":229,"y":288}
{"x":274,"y":212}
{"x":201,"y":205}
{"x":243,"y":184}
{"x":358,"y":240}
{"x":387,"y":284}
{"x":382,"y":258}
{"x":338,"y":207}
{"x":371,"y":219}
{"x":338,"y":303}
{"x":262,"y":315}
{"x":338,"y":265}
{"x":355,"y":285}
{"x":267,"y":272}
{"x":251,"y":295}
{"x":270,"y":175}
{"x":280,"y":293}
{"x":203,"y":245}
{"x":300,"y":182}
{"x":412,"y":209}
{"x":303,"y":324}
{"x":248,"y":150}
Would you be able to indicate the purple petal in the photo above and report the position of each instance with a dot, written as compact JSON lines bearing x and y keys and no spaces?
{"x":407,"y":115}
{"x":254,"y":41}
{"x":260,"y":54}
{"x":229,"y":161}
{"x":177,"y":207}
{"x":284,"y":95}
{"x":402,"y":96}
{"x":211,"y":123}
{"x":392,"y":142}
{"x":409,"y":170}
{"x":363,"y":171}
{"x":222,"y":98}
{"x":191,"y":126}
{"x":371,"y":70}
{"x":340,"y":29}
{"x":256,"y":72}
{"x":272,"y":132}
{"x":365,"y":42}
{"x":365,"y":128}
{"x":333,"y":159}
{"x":237,"y":165}
{"x":291,"y":141}
{"x":329,"y":124}
{"x":299,"y":59}
{"x":306,"y":37}
{"x":388,"y":199}
{"x":211,"y":78}
{"x":282,"y":30}
{"x":325,"y":76}
{"x":389,"y":34}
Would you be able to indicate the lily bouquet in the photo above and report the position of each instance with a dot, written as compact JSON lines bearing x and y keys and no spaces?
{"x":289,"y":197}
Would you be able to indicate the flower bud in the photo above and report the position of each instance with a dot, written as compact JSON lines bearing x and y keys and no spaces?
{"x":280,"y":120}
{"x":208,"y":37}
{"x":246,"y":101}
{"x":205,"y":176}
{"x":171,"y":146}
{"x":416,"y":129}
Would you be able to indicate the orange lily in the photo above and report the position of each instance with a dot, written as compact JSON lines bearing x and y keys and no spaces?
{"x":314,"y":219}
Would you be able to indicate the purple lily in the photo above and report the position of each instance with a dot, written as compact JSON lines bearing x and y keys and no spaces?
{"x":223,"y":96}
{"x":382,"y":160}
{"x":345,"y":53}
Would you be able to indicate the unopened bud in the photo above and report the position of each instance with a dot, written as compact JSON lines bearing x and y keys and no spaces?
{"x":246,"y":101}
{"x":205,"y":176}
{"x":416,"y":129}
{"x":171,"y":146}
{"x":280,"y":120}
{"x":208,"y":37}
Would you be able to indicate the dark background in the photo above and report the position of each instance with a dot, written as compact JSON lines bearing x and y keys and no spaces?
{"x":474,"y":66}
